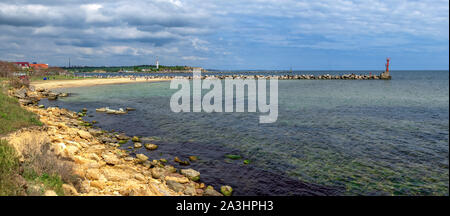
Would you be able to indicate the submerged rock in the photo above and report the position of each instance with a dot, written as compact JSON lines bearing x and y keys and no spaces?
{"x":151,"y":146}
{"x":233,"y":157}
{"x":193,"y":158}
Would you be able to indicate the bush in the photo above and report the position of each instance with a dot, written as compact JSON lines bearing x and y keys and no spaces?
{"x":7,"y":69}
{"x":43,"y":166}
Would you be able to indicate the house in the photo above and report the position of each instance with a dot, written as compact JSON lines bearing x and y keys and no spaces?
{"x":39,"y":66}
{"x":23,"y":65}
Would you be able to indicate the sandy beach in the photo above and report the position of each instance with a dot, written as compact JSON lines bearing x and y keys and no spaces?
{"x":53,"y":84}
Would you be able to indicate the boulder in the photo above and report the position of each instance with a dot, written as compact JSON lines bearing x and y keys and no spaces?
{"x":69,"y":190}
{"x":21,"y":93}
{"x":95,"y":132}
{"x":193,"y":158}
{"x":157,"y":172}
{"x":111,"y":158}
{"x":177,"y":187}
{"x":226,"y":190}
{"x":84,"y":134}
{"x":122,"y":137}
{"x":141,"y":158}
{"x":52,"y":96}
{"x":151,"y":146}
{"x":176,"y":178}
{"x":50,"y":193}
{"x":135,"y":139}
{"x":209,"y":191}
{"x":101,"y":110}
{"x":191,"y":174}
{"x":25,"y":101}
{"x":190,"y":190}
{"x":137,"y":144}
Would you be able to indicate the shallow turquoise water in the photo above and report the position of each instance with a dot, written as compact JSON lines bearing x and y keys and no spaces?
{"x":349,"y":136}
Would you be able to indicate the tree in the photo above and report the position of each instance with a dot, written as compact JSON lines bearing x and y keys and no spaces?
{"x":7,"y":69}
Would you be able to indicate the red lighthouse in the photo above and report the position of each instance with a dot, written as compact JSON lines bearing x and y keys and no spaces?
{"x":385,"y":75}
{"x":387,"y":64}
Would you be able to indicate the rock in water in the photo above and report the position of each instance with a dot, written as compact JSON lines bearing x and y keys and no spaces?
{"x":191,"y":174}
{"x":150,"y":146}
{"x":122,"y":137}
{"x":226,"y":190}
{"x":137,"y":145}
{"x":101,"y":110}
{"x":193,"y":158}
{"x":233,"y":157}
{"x":135,"y":139}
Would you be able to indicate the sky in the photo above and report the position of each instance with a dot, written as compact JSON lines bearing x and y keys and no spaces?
{"x":229,"y":35}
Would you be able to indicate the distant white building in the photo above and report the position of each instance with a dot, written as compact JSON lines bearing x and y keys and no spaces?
{"x":157,"y":63}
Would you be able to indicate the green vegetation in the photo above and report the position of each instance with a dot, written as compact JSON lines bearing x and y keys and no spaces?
{"x":12,"y":116}
{"x":48,"y":181}
{"x":40,"y":171}
{"x":9,"y":165}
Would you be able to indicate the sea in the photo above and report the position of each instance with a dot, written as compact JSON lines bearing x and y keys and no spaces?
{"x":332,"y":137}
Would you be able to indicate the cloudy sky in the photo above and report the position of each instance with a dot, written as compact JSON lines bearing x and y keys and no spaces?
{"x":231,"y":34}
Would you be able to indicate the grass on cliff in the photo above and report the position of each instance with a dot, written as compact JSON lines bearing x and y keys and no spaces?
{"x":9,"y":165}
{"x":12,"y":116}
{"x":40,"y":171}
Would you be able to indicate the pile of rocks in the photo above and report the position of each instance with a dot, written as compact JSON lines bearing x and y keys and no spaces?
{"x":352,"y":76}
{"x":30,"y":96}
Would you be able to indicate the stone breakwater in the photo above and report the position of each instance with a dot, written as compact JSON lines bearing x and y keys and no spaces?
{"x":382,"y":76}
{"x":103,"y":168}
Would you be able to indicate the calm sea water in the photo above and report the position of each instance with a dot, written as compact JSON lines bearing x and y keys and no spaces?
{"x":332,"y":136}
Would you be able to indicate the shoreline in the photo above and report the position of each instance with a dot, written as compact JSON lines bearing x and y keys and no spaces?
{"x":102,"y":167}
{"x":55,"y":84}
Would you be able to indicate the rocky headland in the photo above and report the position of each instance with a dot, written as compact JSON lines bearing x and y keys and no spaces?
{"x":99,"y":165}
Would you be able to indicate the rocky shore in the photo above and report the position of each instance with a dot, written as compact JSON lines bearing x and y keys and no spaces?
{"x":103,"y":168}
